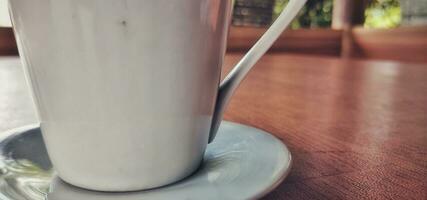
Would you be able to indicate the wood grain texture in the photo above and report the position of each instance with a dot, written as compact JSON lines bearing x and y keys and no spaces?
{"x":356,"y":129}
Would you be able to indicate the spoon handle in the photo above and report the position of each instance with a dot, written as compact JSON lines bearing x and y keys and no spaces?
{"x":239,"y":72}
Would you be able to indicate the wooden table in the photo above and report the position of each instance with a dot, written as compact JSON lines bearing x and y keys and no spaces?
{"x":356,"y":129}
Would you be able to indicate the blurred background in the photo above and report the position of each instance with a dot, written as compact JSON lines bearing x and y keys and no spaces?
{"x":364,"y":29}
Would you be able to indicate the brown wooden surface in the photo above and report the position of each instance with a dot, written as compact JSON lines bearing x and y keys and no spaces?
{"x":301,"y":41}
{"x":356,"y":129}
{"x":7,"y":42}
{"x":404,"y":43}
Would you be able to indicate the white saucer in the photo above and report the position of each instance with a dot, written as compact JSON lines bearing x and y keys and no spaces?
{"x":242,"y":163}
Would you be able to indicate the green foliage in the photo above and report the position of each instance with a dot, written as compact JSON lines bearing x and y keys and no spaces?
{"x":315,"y":14}
{"x":383,"y":14}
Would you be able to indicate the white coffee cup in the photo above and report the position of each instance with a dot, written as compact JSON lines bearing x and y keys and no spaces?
{"x":127,"y":90}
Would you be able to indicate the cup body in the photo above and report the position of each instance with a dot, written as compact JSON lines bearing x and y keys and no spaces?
{"x":125,"y":89}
